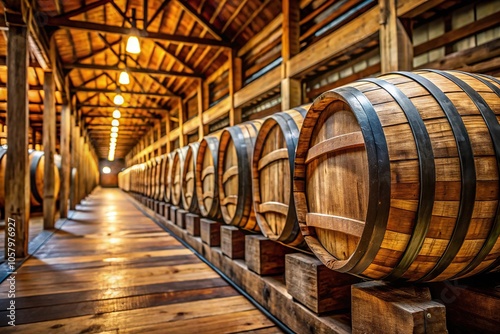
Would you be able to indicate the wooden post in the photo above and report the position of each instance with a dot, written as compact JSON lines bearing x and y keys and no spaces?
{"x":167,"y":131}
{"x":291,"y":89}
{"x":74,"y":164}
{"x":49,"y":147}
{"x":235,"y":84}
{"x":202,"y":129}
{"x":181,"y":123}
{"x":396,"y":48}
{"x":17,"y":181}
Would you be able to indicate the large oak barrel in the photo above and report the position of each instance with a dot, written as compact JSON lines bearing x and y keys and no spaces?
{"x":207,"y":187}
{"x":176,"y":178}
{"x":398,"y":177}
{"x":151,"y":172}
{"x":36,"y":168}
{"x":189,"y":196}
{"x":235,"y":182}
{"x":272,"y":176}
{"x":167,"y":176}
{"x":156,"y":178}
{"x":161,"y":178}
{"x":142,"y":178}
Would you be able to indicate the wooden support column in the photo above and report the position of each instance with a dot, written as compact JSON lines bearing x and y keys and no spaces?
{"x":235,"y":84}
{"x":49,"y":148}
{"x":167,"y":131}
{"x":17,"y":181}
{"x":181,"y":123}
{"x":396,"y":48}
{"x":73,"y":200}
{"x":291,"y":89}
{"x":202,"y":129}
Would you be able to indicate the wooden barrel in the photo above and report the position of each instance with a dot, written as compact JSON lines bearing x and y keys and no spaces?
{"x":156,"y":178}
{"x":167,"y":173}
{"x":161,"y":178}
{"x":36,"y":168}
{"x":207,"y":187}
{"x":189,"y":196}
{"x":398,"y":177}
{"x":176,"y":177}
{"x":144,"y":179}
{"x":272,"y":176}
{"x":234,"y":178}
{"x":151,"y":173}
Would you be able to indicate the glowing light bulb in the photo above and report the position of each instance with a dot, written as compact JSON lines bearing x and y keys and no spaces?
{"x":114,"y":129}
{"x":116,"y":113}
{"x":133,"y":45}
{"x":118,"y":100}
{"x":114,"y":135}
{"x":106,"y":170}
{"x":115,"y":122}
{"x":124,"y":78}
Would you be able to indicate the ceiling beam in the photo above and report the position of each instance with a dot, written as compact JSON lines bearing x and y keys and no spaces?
{"x":103,"y":28}
{"x":113,"y":91}
{"x":200,"y":19}
{"x":97,"y":106}
{"x":158,"y":11}
{"x":83,"y":9}
{"x":94,"y":67}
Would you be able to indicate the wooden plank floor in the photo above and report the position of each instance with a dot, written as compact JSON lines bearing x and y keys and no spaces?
{"x":110,"y":269}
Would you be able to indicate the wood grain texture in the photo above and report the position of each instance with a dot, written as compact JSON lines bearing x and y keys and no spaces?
{"x":233,"y":171}
{"x":104,"y":272}
{"x":207,"y":186}
{"x":210,"y":232}
{"x":232,"y":241}
{"x":403,"y":312}
{"x":272,"y":176}
{"x":189,"y":191}
{"x":176,"y":177}
{"x":315,"y":286}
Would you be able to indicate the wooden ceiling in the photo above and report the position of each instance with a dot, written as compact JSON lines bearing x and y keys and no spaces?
{"x":182,"y":42}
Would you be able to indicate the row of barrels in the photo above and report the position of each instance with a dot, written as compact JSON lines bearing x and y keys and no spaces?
{"x":393,"y":178}
{"x":36,"y":171}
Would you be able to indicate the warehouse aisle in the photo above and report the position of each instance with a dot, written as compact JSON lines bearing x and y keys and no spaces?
{"x":111,"y":269}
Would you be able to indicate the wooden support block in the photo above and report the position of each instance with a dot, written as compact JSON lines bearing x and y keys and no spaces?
{"x":166,"y":211}
{"x":193,"y":224}
{"x":232,"y":241}
{"x":173,"y":213}
{"x":380,"y":308}
{"x":180,"y":220}
{"x":210,"y":232}
{"x":264,"y":256}
{"x":315,"y":286}
{"x":472,"y":305}
{"x":157,"y":206}
{"x":161,"y":209}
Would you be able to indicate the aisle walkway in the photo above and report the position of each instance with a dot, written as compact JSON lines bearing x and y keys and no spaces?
{"x":110,"y":269}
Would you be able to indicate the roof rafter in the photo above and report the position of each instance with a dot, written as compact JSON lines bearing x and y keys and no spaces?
{"x":201,"y":20}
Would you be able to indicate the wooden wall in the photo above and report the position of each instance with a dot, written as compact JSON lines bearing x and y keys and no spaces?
{"x":110,"y":180}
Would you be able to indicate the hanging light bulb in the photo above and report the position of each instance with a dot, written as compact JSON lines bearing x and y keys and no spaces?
{"x":124,"y":78}
{"x":116,"y":113}
{"x":114,"y":129}
{"x":118,"y":100}
{"x":112,"y":140}
{"x":111,"y":158}
{"x":115,"y":122}
{"x":133,"y":45}
{"x":114,"y":135}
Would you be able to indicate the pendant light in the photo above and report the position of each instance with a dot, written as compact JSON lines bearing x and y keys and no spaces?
{"x":116,"y":113}
{"x":133,"y":44}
